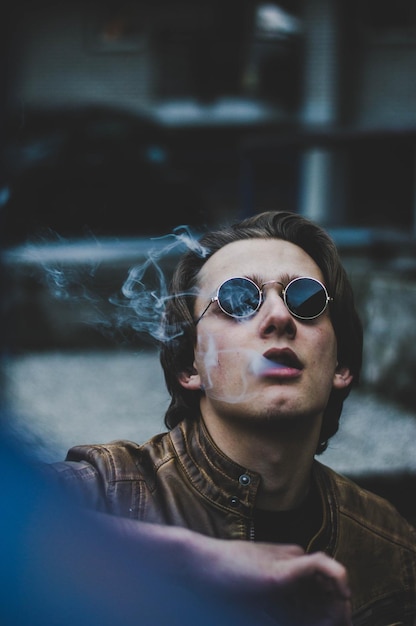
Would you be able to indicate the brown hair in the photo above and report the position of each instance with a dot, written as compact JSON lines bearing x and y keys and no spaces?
{"x":177,"y":353}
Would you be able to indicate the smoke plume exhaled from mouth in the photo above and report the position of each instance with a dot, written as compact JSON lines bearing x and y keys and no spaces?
{"x":138,"y":303}
{"x":250,"y":365}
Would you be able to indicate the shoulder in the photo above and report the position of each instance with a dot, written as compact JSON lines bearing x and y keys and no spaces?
{"x":116,"y":477}
{"x":376,"y":545}
{"x":107,"y":476}
{"x":109,"y":459}
{"x":366,"y":511}
{"x":119,"y":460}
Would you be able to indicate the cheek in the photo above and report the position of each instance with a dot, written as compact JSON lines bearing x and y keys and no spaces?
{"x":325,"y":347}
{"x":207,"y":354}
{"x":214,"y":357}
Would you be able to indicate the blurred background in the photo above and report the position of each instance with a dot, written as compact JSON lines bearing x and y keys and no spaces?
{"x":124,"y":120}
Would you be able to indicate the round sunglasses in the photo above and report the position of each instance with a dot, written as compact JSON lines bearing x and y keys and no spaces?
{"x":305,"y":298}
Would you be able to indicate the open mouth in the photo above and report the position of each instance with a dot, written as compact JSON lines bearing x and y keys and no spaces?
{"x":284,"y":359}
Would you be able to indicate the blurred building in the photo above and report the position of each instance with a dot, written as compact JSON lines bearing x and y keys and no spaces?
{"x":131,"y":117}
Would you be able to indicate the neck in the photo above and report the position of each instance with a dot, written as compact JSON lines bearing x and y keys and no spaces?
{"x":280,"y":452}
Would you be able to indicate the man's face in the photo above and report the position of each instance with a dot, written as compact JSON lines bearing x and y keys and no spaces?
{"x":270,"y":365}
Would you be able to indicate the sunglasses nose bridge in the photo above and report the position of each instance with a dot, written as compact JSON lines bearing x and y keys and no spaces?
{"x":271,"y":282}
{"x":280,"y":292}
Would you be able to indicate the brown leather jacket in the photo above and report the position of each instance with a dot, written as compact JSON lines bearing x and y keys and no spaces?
{"x":181,"y":478}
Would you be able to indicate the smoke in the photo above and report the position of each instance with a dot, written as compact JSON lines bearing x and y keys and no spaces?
{"x":251,"y":365}
{"x":184,"y":237}
{"x":241,"y":391}
{"x":141,"y":303}
{"x":71,"y":283}
{"x":137,"y":304}
{"x":144,"y":294}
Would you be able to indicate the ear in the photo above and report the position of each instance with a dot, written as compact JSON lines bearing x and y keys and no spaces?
{"x":342,"y":377}
{"x":190,"y":379}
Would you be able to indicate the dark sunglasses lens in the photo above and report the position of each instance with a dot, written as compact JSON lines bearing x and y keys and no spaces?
{"x":239,"y":297}
{"x":305,"y":298}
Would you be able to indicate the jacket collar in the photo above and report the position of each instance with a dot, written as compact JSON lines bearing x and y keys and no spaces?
{"x":216,"y":477}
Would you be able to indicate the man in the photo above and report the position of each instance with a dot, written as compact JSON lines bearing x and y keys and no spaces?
{"x":262,"y":346}
{"x":63,"y":564}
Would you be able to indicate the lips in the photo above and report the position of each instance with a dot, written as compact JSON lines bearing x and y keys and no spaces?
{"x":281,"y":365}
{"x":284,"y":358}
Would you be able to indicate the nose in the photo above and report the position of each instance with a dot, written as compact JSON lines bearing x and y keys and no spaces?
{"x":273,"y":315}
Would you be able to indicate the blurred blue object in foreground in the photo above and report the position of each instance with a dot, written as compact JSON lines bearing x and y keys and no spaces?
{"x":59,"y":566}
